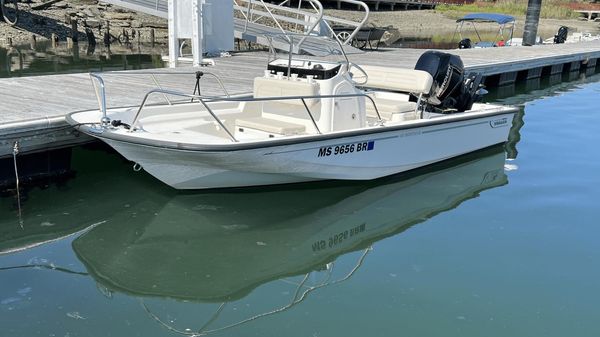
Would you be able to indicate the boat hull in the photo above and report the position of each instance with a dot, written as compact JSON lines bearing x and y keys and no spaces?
{"x":359,"y":156}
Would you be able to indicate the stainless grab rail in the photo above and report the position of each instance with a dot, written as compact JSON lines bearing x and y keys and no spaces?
{"x":284,"y":98}
{"x":100,"y":88}
{"x":152,"y":73}
{"x":311,"y":116}
{"x":100,"y":96}
{"x":205,"y":102}
{"x":160,"y":87}
{"x":177,"y":93}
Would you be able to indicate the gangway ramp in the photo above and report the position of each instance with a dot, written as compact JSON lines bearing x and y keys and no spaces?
{"x":254,"y":20}
{"x":153,"y":7}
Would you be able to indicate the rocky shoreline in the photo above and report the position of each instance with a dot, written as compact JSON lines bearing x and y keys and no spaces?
{"x":92,"y":18}
{"x":55,"y":21}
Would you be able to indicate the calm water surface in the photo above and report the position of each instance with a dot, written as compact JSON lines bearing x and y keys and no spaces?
{"x":479,"y":246}
{"x":44,"y":59}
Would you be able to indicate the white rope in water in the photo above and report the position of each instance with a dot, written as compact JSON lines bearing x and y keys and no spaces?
{"x":298,"y":297}
{"x":15,"y":153}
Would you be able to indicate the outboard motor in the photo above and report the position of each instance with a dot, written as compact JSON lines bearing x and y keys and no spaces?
{"x":451,"y":91}
{"x":464,"y":44}
{"x":561,"y":36}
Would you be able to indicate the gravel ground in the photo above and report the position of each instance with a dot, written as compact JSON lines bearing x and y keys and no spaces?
{"x":429,"y":23}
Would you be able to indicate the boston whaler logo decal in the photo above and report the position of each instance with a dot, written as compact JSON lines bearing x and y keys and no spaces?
{"x":326,"y":151}
{"x":338,"y":238}
{"x":499,"y":122}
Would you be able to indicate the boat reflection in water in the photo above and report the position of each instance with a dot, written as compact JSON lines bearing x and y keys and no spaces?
{"x":219,"y":247}
{"x":62,"y":208}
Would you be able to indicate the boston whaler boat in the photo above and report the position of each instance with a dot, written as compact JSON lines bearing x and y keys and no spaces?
{"x":308,"y":118}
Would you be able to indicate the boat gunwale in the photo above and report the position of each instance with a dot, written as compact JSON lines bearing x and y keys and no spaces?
{"x":283,"y":141}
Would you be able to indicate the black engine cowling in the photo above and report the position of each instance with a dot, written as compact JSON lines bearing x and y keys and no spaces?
{"x":452,"y":91}
{"x":464,"y":44}
{"x":561,"y":35}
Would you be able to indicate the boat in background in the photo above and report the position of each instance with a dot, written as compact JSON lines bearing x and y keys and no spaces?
{"x":504,"y":22}
{"x":562,"y":36}
{"x":308,"y":118}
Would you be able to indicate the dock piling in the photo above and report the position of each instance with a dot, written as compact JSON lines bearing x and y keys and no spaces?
{"x":74,"y":30}
{"x":33,"y":41}
{"x":532,"y":19}
{"x":91,"y":38}
{"x":54,"y":40}
{"x":106,"y":38}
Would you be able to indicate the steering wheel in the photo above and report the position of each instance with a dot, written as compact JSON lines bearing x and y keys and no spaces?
{"x":343,"y":36}
{"x":364,"y":76}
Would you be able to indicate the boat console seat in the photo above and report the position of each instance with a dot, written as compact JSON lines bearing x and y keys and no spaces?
{"x":391,"y":105}
{"x":416,"y":82}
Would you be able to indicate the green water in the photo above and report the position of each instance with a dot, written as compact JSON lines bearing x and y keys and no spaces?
{"x":478,"y":246}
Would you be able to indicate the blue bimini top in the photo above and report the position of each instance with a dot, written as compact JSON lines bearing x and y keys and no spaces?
{"x":487,"y":17}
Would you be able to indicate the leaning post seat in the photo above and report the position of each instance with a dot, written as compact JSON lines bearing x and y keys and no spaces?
{"x":416,"y":82}
{"x":398,"y":79}
{"x":285,"y":116}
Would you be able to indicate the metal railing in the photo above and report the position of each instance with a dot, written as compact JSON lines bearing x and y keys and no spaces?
{"x":308,"y":17}
{"x":100,"y":91}
{"x":100,"y":86}
{"x":255,"y":10}
{"x":347,"y":39}
{"x":205,"y":101}
{"x":153,"y":7}
{"x":100,"y":95}
{"x":177,"y":93}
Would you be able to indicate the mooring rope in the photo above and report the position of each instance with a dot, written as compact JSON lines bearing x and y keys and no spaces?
{"x":15,"y":153}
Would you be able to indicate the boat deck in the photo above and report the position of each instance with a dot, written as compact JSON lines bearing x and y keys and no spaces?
{"x":34,"y":106}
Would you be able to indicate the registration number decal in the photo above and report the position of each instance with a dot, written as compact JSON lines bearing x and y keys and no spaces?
{"x":338,"y":238}
{"x":327,"y":151}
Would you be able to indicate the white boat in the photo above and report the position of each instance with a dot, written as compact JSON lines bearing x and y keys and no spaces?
{"x":506,"y":23}
{"x":307,"y":119}
{"x":563,"y":36}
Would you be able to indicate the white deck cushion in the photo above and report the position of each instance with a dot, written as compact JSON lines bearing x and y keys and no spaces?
{"x":272,"y":87}
{"x":398,"y":79}
{"x":270,"y":125}
{"x":388,"y":107}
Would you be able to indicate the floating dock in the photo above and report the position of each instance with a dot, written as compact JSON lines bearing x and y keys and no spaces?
{"x":32,"y":109}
